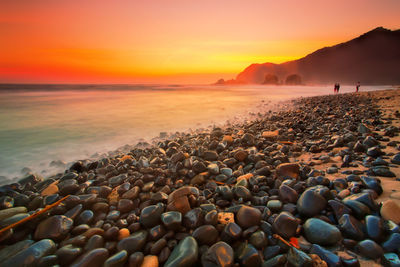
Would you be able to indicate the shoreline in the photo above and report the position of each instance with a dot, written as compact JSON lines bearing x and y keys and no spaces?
{"x":288,"y":172}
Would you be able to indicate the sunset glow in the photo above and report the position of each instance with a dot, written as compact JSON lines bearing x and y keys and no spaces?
{"x":171,"y":41}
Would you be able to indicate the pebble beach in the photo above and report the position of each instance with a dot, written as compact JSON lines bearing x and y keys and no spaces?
{"x":316,"y":183}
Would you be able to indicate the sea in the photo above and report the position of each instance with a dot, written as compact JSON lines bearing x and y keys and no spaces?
{"x":44,"y":126}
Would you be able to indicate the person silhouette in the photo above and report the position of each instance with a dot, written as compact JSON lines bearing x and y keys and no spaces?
{"x":358,"y":86}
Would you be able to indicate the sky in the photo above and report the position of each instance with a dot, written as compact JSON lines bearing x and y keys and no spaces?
{"x":171,"y":41}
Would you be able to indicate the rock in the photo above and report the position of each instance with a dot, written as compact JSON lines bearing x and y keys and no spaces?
{"x":125,"y":205}
{"x":338,"y":208}
{"x":136,"y":259}
{"x":330,"y":258}
{"x":199,"y":167}
{"x":321,"y":233}
{"x":85,"y":217}
{"x":205,"y":235}
{"x":382,"y":171}
{"x":392,"y":244}
{"x":374,"y":228}
{"x":390,"y":210}
{"x":150,"y":261}
{"x":231,"y":232}
{"x":7,"y":213}
{"x":298,"y":258}
{"x":133,"y":243}
{"x":374,"y":151}
{"x":210,"y":155}
{"x":178,"y":200}
{"x":310,"y":203}
{"x":274,"y":205}
{"x":151,"y":215}
{"x":360,"y":210}
{"x":185,"y":254}
{"x":68,"y":254}
{"x":11,"y":250}
{"x":94,"y":257}
{"x":372,"y":183}
{"x":55,"y":228}
{"x":117,"y":260}
{"x":248,"y":216}
{"x":240,"y":155}
{"x":287,"y":194}
{"x":218,"y":255}
{"x":350,"y":227}
{"x":277,"y":261}
{"x":285,"y":225}
{"x":364,"y":198}
{"x":258,"y":239}
{"x":193,"y":218}
{"x":248,"y":256}
{"x":30,"y":256}
{"x":199,"y":179}
{"x":288,"y":170}
{"x":369,"y":249}
{"x":332,"y":170}
{"x":390,"y":260}
{"x":396,"y":159}
{"x":172,"y":220}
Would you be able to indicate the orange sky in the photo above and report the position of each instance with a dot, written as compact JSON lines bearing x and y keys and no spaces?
{"x":180,"y":41}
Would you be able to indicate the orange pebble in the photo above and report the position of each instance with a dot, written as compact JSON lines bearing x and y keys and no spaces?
{"x":123,"y":233}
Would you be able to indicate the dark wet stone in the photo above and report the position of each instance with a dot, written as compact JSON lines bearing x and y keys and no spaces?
{"x":68,"y":187}
{"x":248,"y":216}
{"x":131,"y":193}
{"x":288,"y":194}
{"x":364,"y":198}
{"x":271,"y":251}
{"x":91,"y":258}
{"x":325,"y":255}
{"x":390,"y":260}
{"x":9,"y":251}
{"x":199,"y":167}
{"x":30,"y":256}
{"x":13,"y":219}
{"x":184,"y":254}
{"x":55,"y":228}
{"x":351,"y":227}
{"x":95,"y":241}
{"x":320,"y":232}
{"x":370,"y":141}
{"x":74,"y":212}
{"x":210,"y":155}
{"x":274,"y":205}
{"x":369,"y":249}
{"x":125,"y":205}
{"x":285,"y":225}
{"x":276,"y":261}
{"x":374,"y":228}
{"x":206,"y":235}
{"x":247,"y":256}
{"x":288,"y":170}
{"x":231,"y":232}
{"x":392,"y":244}
{"x":134,"y":242}
{"x":86,"y":217}
{"x":178,"y":199}
{"x":172,"y":220}
{"x":258,"y":239}
{"x":6,"y":202}
{"x":117,"y":260}
{"x":68,"y":254}
{"x":396,"y":159}
{"x":359,"y":209}
{"x":225,"y":192}
{"x":31,"y":179}
{"x":193,"y":218}
{"x":211,"y":217}
{"x":158,"y":246}
{"x":151,"y":215}
{"x":338,"y":208}
{"x":310,"y":203}
{"x":382,"y":171}
{"x":298,"y":258}
{"x":218,"y":255}
{"x":7,"y":213}
{"x":136,"y":259}
{"x":372,"y":183}
{"x":243,"y":193}
{"x":47,"y":261}
{"x":374,"y":151}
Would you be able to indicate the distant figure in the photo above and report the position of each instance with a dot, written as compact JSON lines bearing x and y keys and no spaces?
{"x":357,"y":86}
{"x":338,"y":87}
{"x":335,"y":88}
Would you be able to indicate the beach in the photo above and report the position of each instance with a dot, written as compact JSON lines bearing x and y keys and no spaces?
{"x":313,"y":181}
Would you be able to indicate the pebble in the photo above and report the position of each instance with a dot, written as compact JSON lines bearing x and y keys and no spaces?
{"x":321,"y":233}
{"x":248,"y":216}
{"x":95,"y":257}
{"x":390,"y":210}
{"x":185,"y":254}
{"x":369,"y":249}
{"x":134,"y":242}
{"x":285,"y":225}
{"x":205,"y":235}
{"x":117,"y":260}
{"x":219,"y":254}
{"x":310,"y":202}
{"x":55,"y":228}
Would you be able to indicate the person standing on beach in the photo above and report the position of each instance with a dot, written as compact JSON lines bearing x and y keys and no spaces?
{"x":338,"y":87}
{"x":335,"y":88}
{"x":357,"y":86}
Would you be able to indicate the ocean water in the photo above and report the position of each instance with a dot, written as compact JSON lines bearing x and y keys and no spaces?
{"x":44,"y":123}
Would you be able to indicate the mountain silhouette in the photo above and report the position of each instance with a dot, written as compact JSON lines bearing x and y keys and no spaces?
{"x":372,"y":58}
